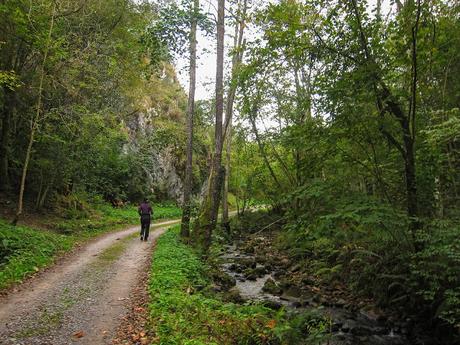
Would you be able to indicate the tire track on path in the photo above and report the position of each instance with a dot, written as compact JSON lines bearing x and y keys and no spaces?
{"x":82,"y":299}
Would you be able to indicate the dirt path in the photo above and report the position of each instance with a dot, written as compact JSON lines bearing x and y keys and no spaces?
{"x":83,"y":299}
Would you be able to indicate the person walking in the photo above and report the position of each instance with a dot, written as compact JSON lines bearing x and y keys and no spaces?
{"x":145,"y":211}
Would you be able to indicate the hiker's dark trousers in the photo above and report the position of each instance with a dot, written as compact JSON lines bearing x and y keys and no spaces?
{"x":145,"y":226}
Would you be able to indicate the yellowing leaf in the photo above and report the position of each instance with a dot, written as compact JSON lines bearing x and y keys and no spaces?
{"x":271,"y":324}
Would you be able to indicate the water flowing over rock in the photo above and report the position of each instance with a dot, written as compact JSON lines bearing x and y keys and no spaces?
{"x":347,"y":327}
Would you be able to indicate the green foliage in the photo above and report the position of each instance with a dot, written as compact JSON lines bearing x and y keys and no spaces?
{"x":8,"y":79}
{"x":101,"y":216}
{"x":169,"y":33}
{"x":182,"y":314}
{"x":100,"y":93}
{"x":320,"y":85}
{"x":364,"y":243}
{"x":436,"y":270}
{"x":351,"y":238}
{"x":305,"y":328}
{"x":24,"y":251}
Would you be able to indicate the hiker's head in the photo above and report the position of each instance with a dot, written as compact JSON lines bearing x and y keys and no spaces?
{"x":146,"y":200}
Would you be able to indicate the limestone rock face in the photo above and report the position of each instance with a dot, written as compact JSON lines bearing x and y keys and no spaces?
{"x":158,"y":162}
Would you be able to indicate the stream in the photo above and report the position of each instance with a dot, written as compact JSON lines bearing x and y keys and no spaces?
{"x":359,"y":327}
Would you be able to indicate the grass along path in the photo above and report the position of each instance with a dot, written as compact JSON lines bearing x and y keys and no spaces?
{"x":25,"y":251}
{"x":183,"y":312}
{"x":82,"y":297}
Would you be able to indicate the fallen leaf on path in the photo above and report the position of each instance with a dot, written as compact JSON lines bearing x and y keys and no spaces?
{"x":142,"y":334}
{"x":139,"y":310}
{"x":79,"y":334}
{"x":144,"y":341}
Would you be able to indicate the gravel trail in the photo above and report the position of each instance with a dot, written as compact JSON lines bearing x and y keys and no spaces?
{"x":82,"y":299}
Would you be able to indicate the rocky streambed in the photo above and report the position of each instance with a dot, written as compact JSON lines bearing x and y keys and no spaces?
{"x":263,"y":275}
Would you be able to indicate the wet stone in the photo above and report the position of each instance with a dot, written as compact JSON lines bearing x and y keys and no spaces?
{"x":261,"y":259}
{"x":247,"y":263}
{"x":278,"y":274}
{"x":336,"y":326}
{"x":361,"y":330}
{"x":233,"y":295}
{"x":260,"y":271}
{"x":340,"y":303}
{"x":272,"y":287}
{"x":293,"y":291}
{"x":273,"y":304}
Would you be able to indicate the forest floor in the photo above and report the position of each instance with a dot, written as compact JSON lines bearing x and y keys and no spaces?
{"x":85,"y":298}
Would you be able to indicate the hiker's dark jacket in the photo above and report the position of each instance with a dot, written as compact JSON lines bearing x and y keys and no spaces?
{"x":145,"y":211}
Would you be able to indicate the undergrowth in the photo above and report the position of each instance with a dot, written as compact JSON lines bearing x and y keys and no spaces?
{"x":105,"y":216}
{"x":24,"y":250}
{"x":183,"y":313}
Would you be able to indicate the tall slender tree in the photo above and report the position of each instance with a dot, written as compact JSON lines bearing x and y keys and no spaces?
{"x":238,"y":50}
{"x":207,"y":220}
{"x":185,"y":225}
{"x":35,"y":122}
{"x":387,"y":102}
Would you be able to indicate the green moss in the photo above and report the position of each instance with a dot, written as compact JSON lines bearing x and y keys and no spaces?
{"x":112,"y":253}
{"x":48,"y":321}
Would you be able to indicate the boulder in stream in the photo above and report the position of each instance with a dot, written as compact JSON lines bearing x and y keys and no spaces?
{"x":250,"y":274}
{"x":247,"y":263}
{"x":273,"y":304}
{"x":261,"y":259}
{"x":272,"y":287}
{"x":295,"y":268}
{"x":233,"y":295}
{"x":223,"y":279}
{"x":293,"y":291}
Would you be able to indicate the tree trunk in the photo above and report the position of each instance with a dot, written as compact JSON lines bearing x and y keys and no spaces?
{"x":386,"y":102}
{"x":186,"y":207}
{"x":206,"y":222}
{"x":260,"y":144}
{"x":225,"y":208}
{"x":236,"y":61}
{"x":8,"y":110}
{"x":411,"y":183}
{"x":35,"y":121}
